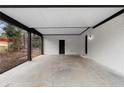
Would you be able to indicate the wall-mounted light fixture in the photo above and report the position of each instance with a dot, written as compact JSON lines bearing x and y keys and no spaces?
{"x":90,"y":37}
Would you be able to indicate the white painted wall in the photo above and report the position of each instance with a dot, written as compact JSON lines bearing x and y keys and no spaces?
{"x":72,"y":44}
{"x":107,"y":46}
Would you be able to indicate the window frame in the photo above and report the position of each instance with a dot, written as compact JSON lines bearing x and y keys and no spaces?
{"x":29,"y":30}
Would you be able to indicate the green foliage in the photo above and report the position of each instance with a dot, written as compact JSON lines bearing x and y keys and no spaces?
{"x":12,"y":32}
{"x":35,"y":41}
{"x":14,"y":35}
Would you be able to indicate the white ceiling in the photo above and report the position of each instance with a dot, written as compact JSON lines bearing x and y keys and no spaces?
{"x":60,"y":17}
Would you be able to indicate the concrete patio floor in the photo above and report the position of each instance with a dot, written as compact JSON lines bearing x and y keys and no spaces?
{"x":60,"y":70}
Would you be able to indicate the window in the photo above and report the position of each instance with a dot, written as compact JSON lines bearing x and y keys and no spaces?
{"x":13,"y":46}
{"x":36,"y":45}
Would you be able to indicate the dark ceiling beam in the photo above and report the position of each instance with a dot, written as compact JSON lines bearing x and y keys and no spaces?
{"x":109,"y":18}
{"x":11,"y":20}
{"x":60,"y":6}
{"x":36,"y":32}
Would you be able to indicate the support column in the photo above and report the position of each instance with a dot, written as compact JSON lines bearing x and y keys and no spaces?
{"x":86,"y":44}
{"x":42,"y":45}
{"x":29,"y":46}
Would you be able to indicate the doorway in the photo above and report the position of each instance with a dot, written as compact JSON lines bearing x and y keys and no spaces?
{"x":61,"y":46}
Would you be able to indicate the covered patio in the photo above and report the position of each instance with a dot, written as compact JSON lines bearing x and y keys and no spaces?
{"x":54,"y":46}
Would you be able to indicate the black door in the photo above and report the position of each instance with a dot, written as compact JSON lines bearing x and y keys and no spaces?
{"x":61,"y":46}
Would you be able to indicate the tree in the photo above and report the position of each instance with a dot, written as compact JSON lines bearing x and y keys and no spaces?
{"x":14,"y":35}
{"x":35,"y":41}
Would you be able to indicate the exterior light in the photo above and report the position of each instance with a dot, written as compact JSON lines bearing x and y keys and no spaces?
{"x":90,"y":37}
